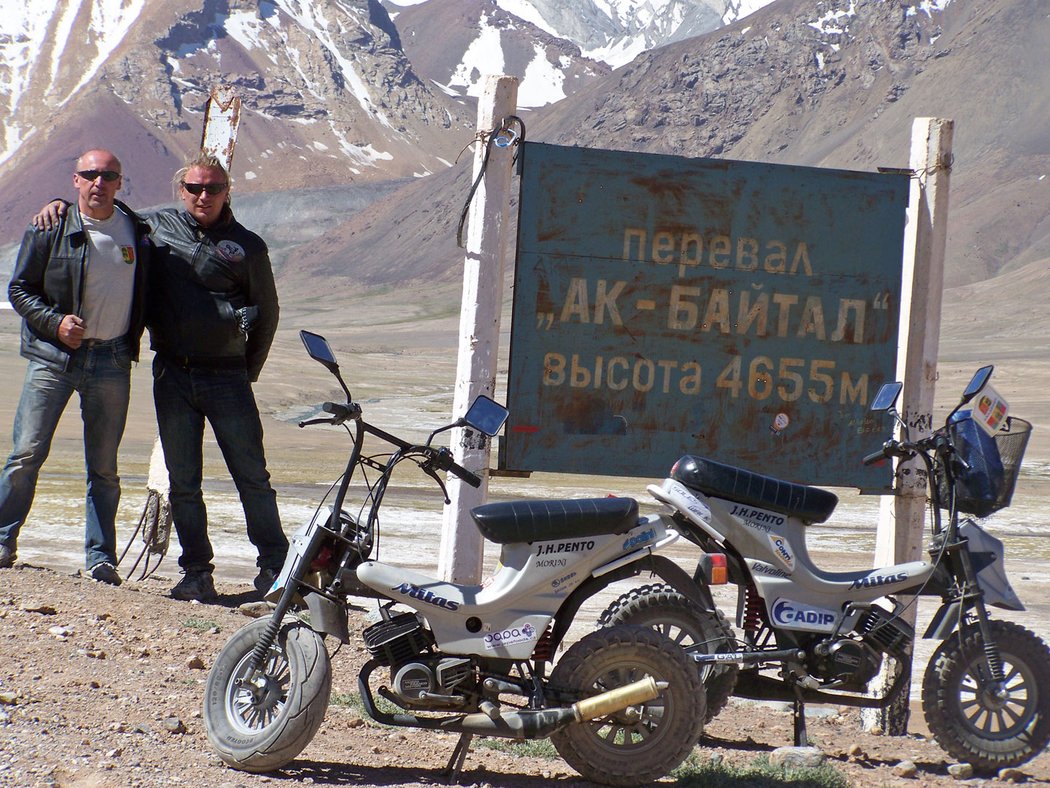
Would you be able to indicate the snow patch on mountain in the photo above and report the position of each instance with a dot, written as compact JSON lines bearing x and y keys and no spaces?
{"x":834,"y":20}
{"x":110,"y":22}
{"x":617,"y":31}
{"x":28,"y":28}
{"x":484,"y":55}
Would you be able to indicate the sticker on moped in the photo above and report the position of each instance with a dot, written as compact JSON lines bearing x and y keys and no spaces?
{"x":782,"y":550}
{"x":797,"y":615}
{"x":510,"y":637}
{"x":640,"y":539}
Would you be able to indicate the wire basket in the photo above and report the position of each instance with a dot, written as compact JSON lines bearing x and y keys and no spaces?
{"x":993,"y":461}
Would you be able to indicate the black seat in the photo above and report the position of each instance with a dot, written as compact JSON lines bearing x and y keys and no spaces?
{"x":809,"y":504}
{"x":544,"y":521}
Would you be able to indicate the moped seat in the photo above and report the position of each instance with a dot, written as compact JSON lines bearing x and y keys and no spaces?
{"x":511,"y":522}
{"x":809,"y":504}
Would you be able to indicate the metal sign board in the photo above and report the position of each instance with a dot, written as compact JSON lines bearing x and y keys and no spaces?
{"x":664,"y":306}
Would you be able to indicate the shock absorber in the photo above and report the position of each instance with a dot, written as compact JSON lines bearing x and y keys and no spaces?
{"x":543,"y":651}
{"x":754,"y":610}
{"x":995,"y":661}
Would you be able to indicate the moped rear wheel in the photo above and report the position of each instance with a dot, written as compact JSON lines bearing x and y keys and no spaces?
{"x":642,"y":743}
{"x":671,"y":613}
{"x":260,"y":725}
{"x":990,"y":725}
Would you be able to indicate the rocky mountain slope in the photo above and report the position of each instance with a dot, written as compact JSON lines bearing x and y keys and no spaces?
{"x":841,"y":90}
{"x":799,"y":83}
{"x":328,"y":95}
{"x":333,"y":91}
{"x":347,"y":92}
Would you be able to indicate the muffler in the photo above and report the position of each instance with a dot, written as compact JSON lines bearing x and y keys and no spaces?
{"x":618,"y":699}
{"x":541,"y":723}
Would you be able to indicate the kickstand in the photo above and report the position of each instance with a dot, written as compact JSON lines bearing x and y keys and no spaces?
{"x":800,"y":719}
{"x":459,"y":755}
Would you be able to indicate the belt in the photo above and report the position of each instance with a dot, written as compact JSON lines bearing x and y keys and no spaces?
{"x":91,"y":344}
{"x":204,"y":362}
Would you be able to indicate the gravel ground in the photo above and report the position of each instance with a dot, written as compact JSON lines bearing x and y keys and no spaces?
{"x":102,"y":686}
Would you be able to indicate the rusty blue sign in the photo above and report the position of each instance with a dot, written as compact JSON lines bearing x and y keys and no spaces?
{"x":665,"y":306}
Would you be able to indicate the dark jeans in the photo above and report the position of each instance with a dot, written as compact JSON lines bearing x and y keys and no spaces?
{"x":184,"y":399}
{"x":101,"y":373}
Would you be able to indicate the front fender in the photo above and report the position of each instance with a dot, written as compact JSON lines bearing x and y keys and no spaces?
{"x":944,"y":621}
{"x":327,"y":617}
{"x":659,"y":565}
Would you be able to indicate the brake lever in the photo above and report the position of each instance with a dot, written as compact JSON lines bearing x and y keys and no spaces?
{"x":310,"y":422}
{"x":428,"y":469}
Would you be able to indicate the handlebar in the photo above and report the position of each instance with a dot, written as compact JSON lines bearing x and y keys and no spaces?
{"x":908,"y":449}
{"x":440,"y":459}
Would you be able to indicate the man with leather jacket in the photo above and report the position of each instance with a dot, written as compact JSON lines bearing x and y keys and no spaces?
{"x":80,"y":287}
{"x":212,"y":315}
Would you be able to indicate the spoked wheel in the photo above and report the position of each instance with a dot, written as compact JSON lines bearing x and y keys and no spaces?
{"x":671,"y":613}
{"x":642,"y":743}
{"x":260,"y":723}
{"x":989,"y":724}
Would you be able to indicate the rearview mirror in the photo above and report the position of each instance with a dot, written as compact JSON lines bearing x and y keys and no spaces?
{"x":978,"y":382}
{"x":318,"y":348}
{"x":886,"y":397}
{"x":486,"y":415}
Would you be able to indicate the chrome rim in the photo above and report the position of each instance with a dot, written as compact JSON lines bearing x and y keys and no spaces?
{"x":254,"y":704}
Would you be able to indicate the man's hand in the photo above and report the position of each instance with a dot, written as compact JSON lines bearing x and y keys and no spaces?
{"x":48,"y":219}
{"x":71,"y":331}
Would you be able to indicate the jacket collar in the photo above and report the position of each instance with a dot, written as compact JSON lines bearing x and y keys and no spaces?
{"x":75,"y":222}
{"x":225,"y":219}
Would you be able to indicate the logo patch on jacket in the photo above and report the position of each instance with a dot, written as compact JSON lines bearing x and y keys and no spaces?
{"x":128,"y":253}
{"x":230,"y":250}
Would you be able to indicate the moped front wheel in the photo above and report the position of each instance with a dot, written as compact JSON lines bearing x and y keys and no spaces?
{"x":260,"y":723}
{"x":640,"y":744}
{"x":989,"y":724}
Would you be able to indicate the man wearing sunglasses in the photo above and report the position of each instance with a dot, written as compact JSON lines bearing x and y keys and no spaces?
{"x":80,"y":288}
{"x":212,"y":314}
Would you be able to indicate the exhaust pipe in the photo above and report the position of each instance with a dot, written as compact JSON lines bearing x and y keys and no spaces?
{"x":618,"y":699}
{"x":541,"y":723}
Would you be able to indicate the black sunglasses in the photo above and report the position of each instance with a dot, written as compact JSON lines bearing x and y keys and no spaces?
{"x":211,"y":188}
{"x":107,"y":175}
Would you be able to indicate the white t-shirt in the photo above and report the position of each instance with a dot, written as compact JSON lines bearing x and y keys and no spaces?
{"x":110,"y":277}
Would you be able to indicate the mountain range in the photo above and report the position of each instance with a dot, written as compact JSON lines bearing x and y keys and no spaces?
{"x":378,"y":99}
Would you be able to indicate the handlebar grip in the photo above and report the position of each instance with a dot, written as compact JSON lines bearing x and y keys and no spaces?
{"x":470,"y":478}
{"x":876,"y":456}
{"x":443,"y":460}
{"x":338,"y":411}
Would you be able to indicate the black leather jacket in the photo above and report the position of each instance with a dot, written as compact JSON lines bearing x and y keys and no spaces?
{"x":207,"y":285}
{"x":48,"y":284}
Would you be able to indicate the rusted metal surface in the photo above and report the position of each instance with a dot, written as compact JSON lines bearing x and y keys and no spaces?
{"x":738,"y":310}
{"x":222,"y":116}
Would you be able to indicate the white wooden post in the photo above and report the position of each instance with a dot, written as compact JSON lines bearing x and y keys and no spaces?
{"x":902,"y":516}
{"x":462,"y":548}
{"x":222,"y":116}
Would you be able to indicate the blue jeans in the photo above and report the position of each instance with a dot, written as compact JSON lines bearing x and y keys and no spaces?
{"x":101,"y":373}
{"x":184,"y":399}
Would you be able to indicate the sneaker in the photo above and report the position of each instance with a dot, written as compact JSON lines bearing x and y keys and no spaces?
{"x":195,"y":586}
{"x":7,"y":556}
{"x":105,"y":572}
{"x":264,"y":580}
